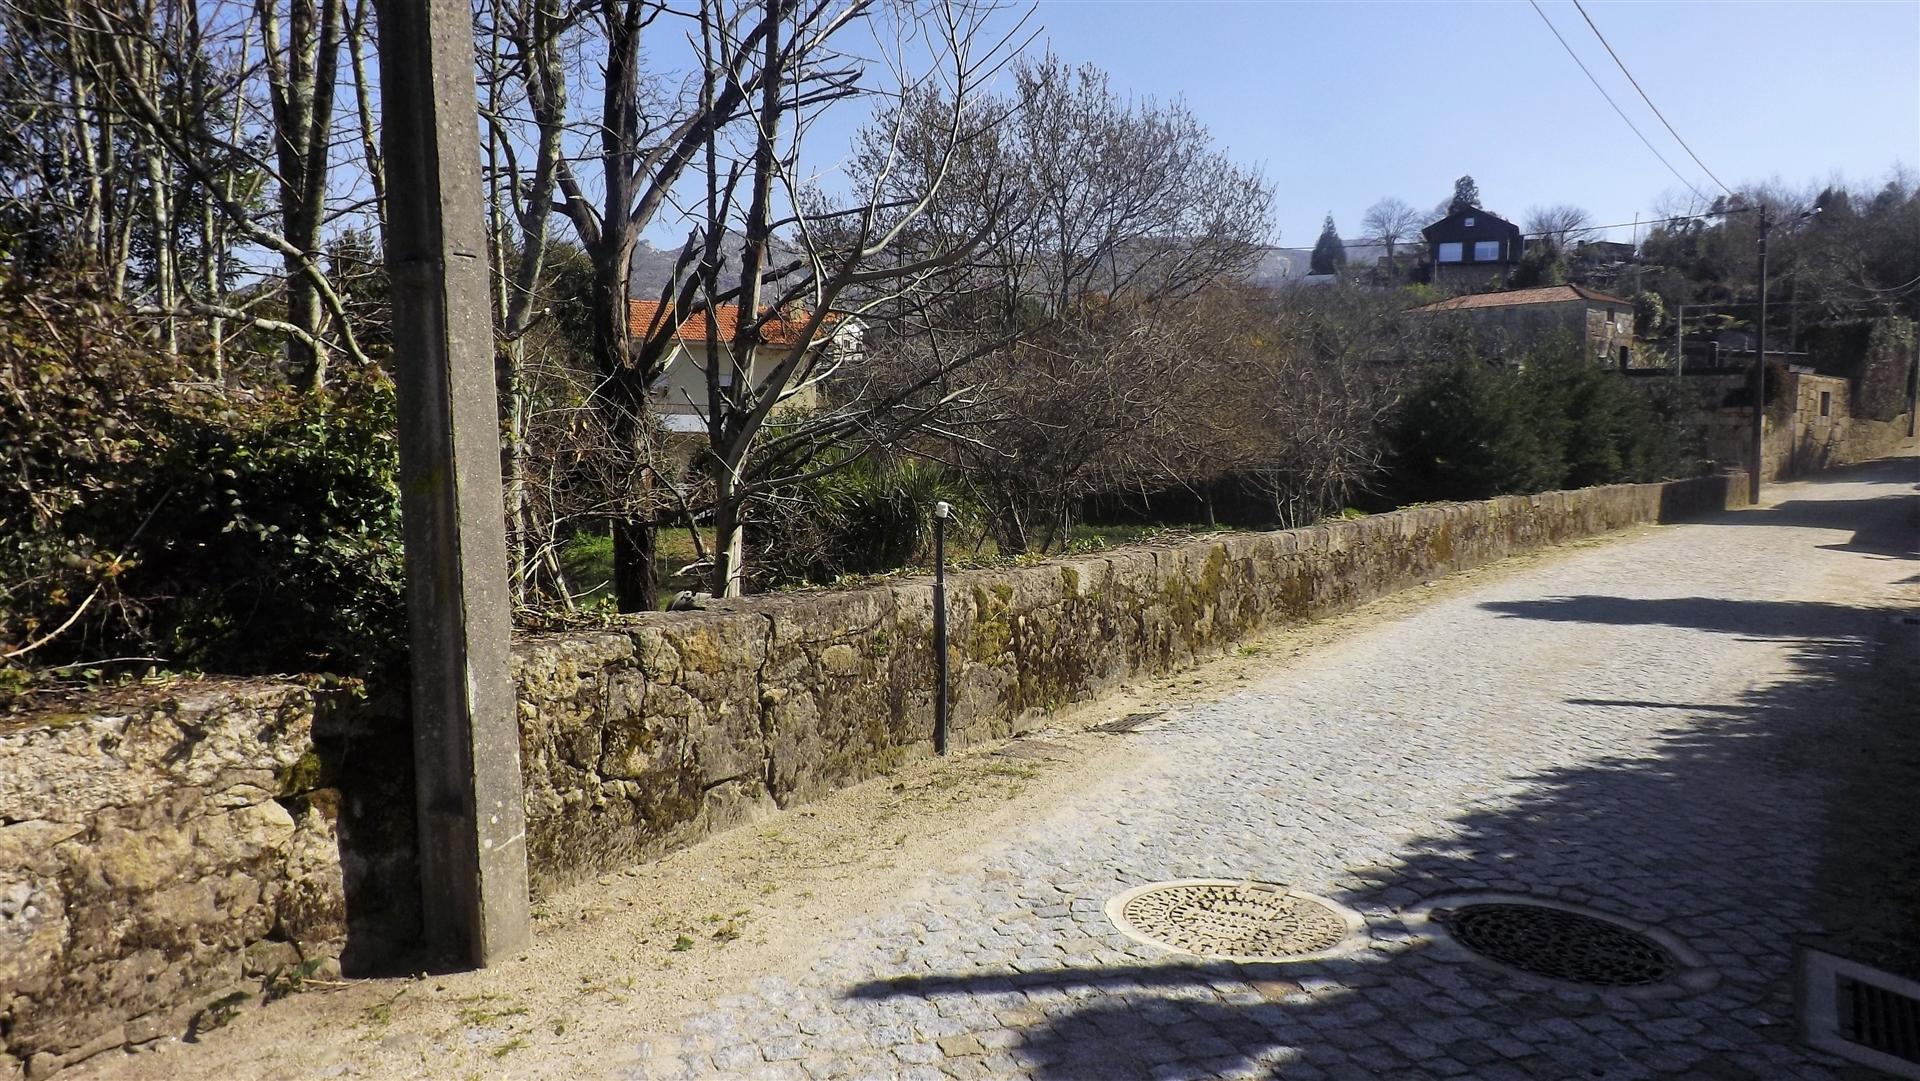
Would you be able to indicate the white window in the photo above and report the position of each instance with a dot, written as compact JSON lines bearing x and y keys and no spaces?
{"x":1469,"y":222}
{"x":1486,"y":251}
{"x":1449,"y":252}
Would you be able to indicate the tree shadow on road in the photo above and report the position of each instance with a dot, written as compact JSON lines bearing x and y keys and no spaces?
{"x":1803,"y":620}
{"x":1744,"y":828}
{"x":1888,"y":527}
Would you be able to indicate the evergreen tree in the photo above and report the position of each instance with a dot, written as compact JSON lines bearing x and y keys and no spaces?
{"x":1329,"y":254}
{"x":1466,"y":195}
{"x":1541,"y":264}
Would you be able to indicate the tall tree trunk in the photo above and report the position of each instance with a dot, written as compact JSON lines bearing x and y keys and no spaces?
{"x":624,"y":396}
{"x":635,"y":585}
{"x":736,"y":395}
{"x":363,"y":104}
{"x":301,"y":73}
{"x":93,"y":228}
{"x":623,"y":389}
{"x":729,"y":540}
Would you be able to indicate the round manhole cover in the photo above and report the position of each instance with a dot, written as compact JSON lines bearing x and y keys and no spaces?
{"x":1231,"y":920}
{"x":1559,"y":945}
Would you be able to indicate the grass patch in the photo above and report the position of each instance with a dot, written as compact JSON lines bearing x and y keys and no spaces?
{"x":587,"y":557}
{"x":1083,"y":537}
{"x":479,"y":1010}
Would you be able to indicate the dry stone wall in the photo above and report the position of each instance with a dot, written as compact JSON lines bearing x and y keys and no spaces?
{"x":639,"y":739}
{"x":161,"y":849}
{"x":168,"y":848}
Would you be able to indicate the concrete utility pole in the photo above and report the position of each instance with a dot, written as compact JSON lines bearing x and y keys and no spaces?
{"x":466,"y":739}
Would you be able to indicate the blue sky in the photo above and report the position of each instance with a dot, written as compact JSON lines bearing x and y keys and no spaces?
{"x":1344,"y":103}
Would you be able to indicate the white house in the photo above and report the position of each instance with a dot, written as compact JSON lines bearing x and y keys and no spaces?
{"x":679,"y":393}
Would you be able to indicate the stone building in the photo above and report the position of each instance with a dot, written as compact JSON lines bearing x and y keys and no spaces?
{"x":1510,"y":322}
{"x":1810,"y":425}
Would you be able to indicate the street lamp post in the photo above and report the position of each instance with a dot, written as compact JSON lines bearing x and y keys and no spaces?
{"x":1758,"y":456}
{"x":941,"y":512}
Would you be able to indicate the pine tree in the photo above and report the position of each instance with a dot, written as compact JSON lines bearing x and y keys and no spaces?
{"x":1466,"y":195}
{"x":1329,"y":254}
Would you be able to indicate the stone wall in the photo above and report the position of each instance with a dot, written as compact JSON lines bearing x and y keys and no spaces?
{"x":639,"y":739}
{"x":164,"y":847}
{"x":1801,"y":438}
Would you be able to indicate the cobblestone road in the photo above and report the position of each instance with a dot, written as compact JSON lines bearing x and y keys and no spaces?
{"x":1616,"y":728}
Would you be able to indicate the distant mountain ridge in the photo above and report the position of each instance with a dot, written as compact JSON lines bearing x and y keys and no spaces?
{"x":1282,"y":266}
{"x":652,"y":268}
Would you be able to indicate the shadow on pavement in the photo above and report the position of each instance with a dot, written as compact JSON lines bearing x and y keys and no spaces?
{"x":1884,"y":526}
{"x":1806,"y":620}
{"x":1744,"y":828}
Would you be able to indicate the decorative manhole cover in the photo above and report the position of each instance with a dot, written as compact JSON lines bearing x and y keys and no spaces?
{"x":1559,"y":944}
{"x":1231,"y":920}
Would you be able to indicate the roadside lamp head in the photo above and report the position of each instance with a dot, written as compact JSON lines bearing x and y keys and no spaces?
{"x":943,"y":509}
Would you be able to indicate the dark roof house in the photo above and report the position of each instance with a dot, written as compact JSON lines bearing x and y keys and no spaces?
{"x":1473,"y":246}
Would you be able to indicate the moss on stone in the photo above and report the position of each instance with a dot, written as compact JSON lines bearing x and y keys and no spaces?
{"x":1440,"y":544}
{"x":305,"y":774}
{"x":992,"y":631}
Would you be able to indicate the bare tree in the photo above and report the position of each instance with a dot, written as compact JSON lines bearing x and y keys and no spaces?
{"x":1316,"y":374}
{"x":181,"y":117}
{"x":1560,"y":226}
{"x":1110,"y":215}
{"x":1391,"y":222}
{"x":849,"y":262}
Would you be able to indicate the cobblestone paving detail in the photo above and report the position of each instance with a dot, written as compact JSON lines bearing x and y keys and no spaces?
{"x":1598,"y":730}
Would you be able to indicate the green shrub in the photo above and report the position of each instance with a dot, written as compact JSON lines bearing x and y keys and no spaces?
{"x":871,"y":517}
{"x":281,"y":546}
{"x":143,"y":514}
{"x":1470,"y":430}
{"x":80,"y":431}
{"x":1462,"y":432}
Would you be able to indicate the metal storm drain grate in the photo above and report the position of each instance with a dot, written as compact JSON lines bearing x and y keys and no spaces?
{"x":1879,"y":1019}
{"x":1229,"y":920}
{"x":1559,"y":945}
{"x":1860,"y":1013}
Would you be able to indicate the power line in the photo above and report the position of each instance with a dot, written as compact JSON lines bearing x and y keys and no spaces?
{"x":1646,"y":222}
{"x":1643,"y":96}
{"x":1616,"y":107}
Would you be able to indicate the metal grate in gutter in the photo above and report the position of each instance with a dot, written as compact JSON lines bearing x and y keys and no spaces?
{"x":1877,"y":1018}
{"x":1859,"y":1013}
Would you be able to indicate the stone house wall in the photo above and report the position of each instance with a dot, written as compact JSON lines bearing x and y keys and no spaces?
{"x":1799,"y":439}
{"x":1509,"y":330}
{"x":162,"y":847}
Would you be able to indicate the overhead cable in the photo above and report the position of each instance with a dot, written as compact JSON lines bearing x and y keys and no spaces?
{"x":1616,"y":106}
{"x":1643,"y":96}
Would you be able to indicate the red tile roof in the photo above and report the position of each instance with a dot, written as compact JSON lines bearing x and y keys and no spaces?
{"x":1546,"y":294}
{"x":644,"y":317}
